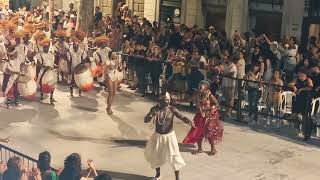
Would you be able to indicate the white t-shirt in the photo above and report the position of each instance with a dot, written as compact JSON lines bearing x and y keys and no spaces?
{"x":228,"y":68}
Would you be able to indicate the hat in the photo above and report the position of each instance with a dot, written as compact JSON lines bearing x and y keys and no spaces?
{"x":18,"y":34}
{"x":79,"y":35}
{"x":39,"y":35}
{"x":76,"y":40}
{"x":11,"y":26}
{"x":101,"y":40}
{"x":45,"y":42}
{"x":60,"y":33}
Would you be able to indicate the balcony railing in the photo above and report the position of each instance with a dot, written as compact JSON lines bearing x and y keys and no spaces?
{"x":312,"y":7}
{"x":27,"y":161}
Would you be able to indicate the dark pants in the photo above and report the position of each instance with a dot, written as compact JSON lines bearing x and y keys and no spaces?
{"x":253,"y":98}
{"x":141,"y":75}
{"x":13,"y":92}
{"x":155,"y":76}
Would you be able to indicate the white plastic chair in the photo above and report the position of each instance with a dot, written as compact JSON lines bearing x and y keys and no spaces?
{"x":286,"y":102}
{"x":314,"y":112}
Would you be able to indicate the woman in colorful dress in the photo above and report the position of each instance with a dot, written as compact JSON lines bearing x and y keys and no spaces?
{"x":207,"y":120}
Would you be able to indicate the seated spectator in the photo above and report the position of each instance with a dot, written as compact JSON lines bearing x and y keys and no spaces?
{"x":315,"y":76}
{"x":14,"y":169}
{"x":72,"y":168}
{"x":44,"y":161}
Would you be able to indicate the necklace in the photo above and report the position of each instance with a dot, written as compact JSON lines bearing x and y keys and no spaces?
{"x":165,"y":116}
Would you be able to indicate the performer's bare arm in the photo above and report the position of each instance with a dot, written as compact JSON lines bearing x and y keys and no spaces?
{"x":214,"y":101}
{"x":180,"y":116}
{"x":150,"y":115}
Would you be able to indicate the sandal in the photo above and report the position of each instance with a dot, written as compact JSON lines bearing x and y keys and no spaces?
{"x":197,"y":152}
{"x":212,"y":153}
{"x":109,"y":111}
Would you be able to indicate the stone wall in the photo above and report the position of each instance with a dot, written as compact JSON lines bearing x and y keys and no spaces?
{"x":292,"y":19}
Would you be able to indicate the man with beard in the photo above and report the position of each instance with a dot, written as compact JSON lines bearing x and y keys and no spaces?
{"x":163,"y":145}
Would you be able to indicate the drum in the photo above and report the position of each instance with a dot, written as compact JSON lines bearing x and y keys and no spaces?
{"x":27,"y":86}
{"x":83,"y":78}
{"x":95,"y":70}
{"x":29,"y":69}
{"x":48,"y":79}
{"x":63,"y":65}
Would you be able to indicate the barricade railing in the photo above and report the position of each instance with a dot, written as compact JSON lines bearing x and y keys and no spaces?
{"x":6,"y":153}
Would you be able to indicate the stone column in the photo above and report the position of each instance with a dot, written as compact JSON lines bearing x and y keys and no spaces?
{"x":151,"y":10}
{"x":192,"y":13}
{"x":292,"y":18}
{"x":237,"y":16}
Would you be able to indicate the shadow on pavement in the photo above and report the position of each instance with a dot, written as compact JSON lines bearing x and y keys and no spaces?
{"x":142,"y":144}
{"x":284,"y":133}
{"x":84,"y":103}
{"x":124,"y":176}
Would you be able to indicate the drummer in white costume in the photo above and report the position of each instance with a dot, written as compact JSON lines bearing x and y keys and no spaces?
{"x":45,"y":61}
{"x":75,"y":56}
{"x":101,"y":57}
{"x":163,"y":146}
{"x":12,"y":71}
{"x":60,"y":50}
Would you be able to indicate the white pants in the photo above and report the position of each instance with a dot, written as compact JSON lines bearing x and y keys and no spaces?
{"x":162,"y":148}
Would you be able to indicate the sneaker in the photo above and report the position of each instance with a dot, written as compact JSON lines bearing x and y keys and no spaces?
{"x":156,"y":178}
{"x":16,"y":103}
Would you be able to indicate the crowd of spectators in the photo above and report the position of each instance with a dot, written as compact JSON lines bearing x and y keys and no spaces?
{"x":15,"y":169}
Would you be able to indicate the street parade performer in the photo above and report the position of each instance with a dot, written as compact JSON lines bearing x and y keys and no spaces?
{"x":76,"y":57}
{"x":207,"y":120}
{"x":163,"y":145}
{"x":47,"y":76}
{"x":101,"y":57}
{"x":11,"y":73}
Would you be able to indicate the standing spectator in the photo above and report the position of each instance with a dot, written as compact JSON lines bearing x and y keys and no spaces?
{"x":229,"y":84}
{"x":253,"y":90}
{"x":97,"y":16}
{"x":302,"y":87}
{"x":241,"y":65}
{"x":274,"y":93}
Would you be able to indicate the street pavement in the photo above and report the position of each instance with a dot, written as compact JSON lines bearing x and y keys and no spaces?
{"x":116,"y":143}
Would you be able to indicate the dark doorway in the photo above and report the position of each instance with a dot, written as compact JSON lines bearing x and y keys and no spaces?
{"x":218,"y":20}
{"x":16,"y":4}
{"x":270,"y":24}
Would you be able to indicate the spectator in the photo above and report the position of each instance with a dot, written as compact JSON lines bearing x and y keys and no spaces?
{"x":253,"y":90}
{"x":97,"y":16}
{"x":228,"y":85}
{"x":44,"y":161}
{"x":302,"y":87}
{"x":13,"y":172}
{"x":274,"y":93}
{"x":241,"y":65}
{"x":315,"y":76}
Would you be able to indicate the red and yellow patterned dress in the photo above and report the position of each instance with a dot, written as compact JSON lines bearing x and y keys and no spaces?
{"x":208,"y":125}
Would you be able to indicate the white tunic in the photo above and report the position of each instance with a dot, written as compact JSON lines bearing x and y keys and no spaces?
{"x":13,"y":66}
{"x":46,"y":59}
{"x":22,"y":51}
{"x":76,"y":57}
{"x":101,"y":57}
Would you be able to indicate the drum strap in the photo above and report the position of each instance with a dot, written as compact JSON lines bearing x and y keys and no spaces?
{"x":100,"y":58}
{"x":41,"y":60}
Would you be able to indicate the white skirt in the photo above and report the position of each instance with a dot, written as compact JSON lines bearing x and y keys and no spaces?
{"x":162,"y":148}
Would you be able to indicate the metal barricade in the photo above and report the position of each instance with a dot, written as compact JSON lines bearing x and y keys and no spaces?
{"x":6,"y":153}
